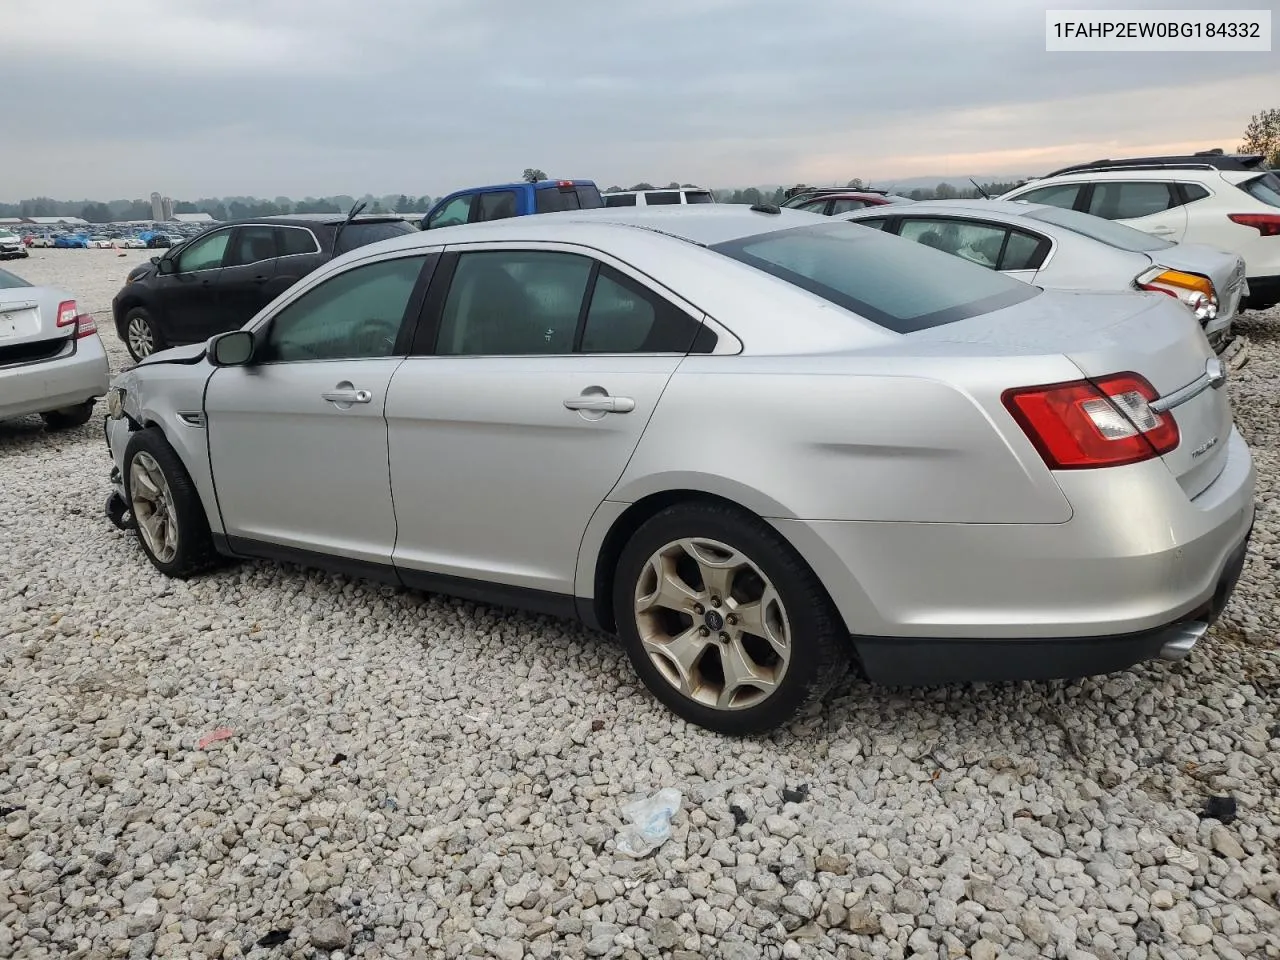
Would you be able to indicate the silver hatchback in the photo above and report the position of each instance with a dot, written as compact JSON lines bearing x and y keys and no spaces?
{"x":757,"y":444}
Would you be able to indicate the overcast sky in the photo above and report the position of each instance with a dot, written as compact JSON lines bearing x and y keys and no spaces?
{"x":116,"y":98}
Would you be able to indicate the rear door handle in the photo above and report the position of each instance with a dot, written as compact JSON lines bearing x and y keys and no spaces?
{"x":1163,"y":231}
{"x":347,"y":396}
{"x":599,"y":404}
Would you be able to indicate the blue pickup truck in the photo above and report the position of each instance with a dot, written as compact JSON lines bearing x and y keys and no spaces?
{"x":497,"y":202}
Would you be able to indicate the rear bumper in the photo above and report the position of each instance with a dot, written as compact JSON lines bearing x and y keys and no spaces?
{"x":55,"y":384}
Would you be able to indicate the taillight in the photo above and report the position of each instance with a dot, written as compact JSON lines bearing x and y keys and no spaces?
{"x":67,"y":313}
{"x":1193,"y":289}
{"x":1267,"y":224}
{"x":86,"y":326}
{"x":1093,"y":423}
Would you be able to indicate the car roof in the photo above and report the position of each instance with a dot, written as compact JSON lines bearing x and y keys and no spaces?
{"x":1012,"y":208}
{"x":521,"y":184}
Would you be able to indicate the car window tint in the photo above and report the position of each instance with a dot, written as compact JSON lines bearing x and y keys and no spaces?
{"x":620,"y":200}
{"x":624,"y":317}
{"x":815,"y":206}
{"x":292,"y":241}
{"x":513,"y":303}
{"x":456,"y":211}
{"x":978,"y":243}
{"x":902,"y":287}
{"x":1265,"y":188}
{"x":252,"y":244}
{"x":1022,"y":251}
{"x":657,"y":198}
{"x":1059,"y":195}
{"x":1130,"y":201}
{"x":699,"y":196}
{"x":354,"y":315}
{"x":875,"y":223}
{"x":1192,"y":192}
{"x":846,"y":206}
{"x":555,"y":199}
{"x":498,"y":205}
{"x":588,"y":197}
{"x":205,"y":253}
{"x":360,"y":234}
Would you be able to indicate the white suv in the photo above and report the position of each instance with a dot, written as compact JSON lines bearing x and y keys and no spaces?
{"x":1229,"y":201}
{"x":654,"y":198}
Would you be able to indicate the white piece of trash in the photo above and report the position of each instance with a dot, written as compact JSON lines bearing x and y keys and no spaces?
{"x":650,"y":823}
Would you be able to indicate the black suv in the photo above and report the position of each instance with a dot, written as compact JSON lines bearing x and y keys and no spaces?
{"x":218,"y":280}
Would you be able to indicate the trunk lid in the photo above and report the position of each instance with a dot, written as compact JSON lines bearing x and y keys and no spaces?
{"x":1107,"y":333}
{"x":1225,"y":269}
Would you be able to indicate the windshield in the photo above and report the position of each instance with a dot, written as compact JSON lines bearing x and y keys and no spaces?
{"x":1265,"y":188}
{"x":9,"y":282}
{"x":357,"y":234}
{"x":1105,"y":231}
{"x":897,"y":284}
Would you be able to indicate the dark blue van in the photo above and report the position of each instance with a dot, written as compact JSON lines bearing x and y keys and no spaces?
{"x":477,"y":204}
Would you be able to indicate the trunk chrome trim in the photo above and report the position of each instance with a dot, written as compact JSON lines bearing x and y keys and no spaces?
{"x":1214,"y":376}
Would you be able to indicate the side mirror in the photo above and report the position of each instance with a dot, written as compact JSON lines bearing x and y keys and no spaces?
{"x":155,"y":259}
{"x":233,"y":349}
{"x":167,"y":265}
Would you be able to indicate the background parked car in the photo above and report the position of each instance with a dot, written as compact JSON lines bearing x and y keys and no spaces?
{"x":158,"y":241}
{"x":43,"y":241}
{"x":657,"y":198}
{"x":101,"y":242}
{"x":71,"y":241}
{"x":11,"y":246}
{"x":51,"y":359}
{"x":1229,"y":201}
{"x":1068,"y":250}
{"x":221,"y":278}
{"x":497,"y":202}
{"x":830,"y":201}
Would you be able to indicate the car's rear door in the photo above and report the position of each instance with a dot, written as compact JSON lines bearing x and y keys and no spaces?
{"x":535,"y":372}
{"x":297,"y":437}
{"x":1153,"y":206}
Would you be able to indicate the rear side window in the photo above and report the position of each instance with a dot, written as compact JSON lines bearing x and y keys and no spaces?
{"x":1265,"y":188}
{"x":498,"y":205}
{"x":252,"y":244}
{"x":294,"y":241}
{"x":698,"y":196}
{"x":359,"y":234}
{"x":902,"y":287}
{"x":626,"y":318}
{"x":619,"y":199}
{"x":554,"y":199}
{"x":1060,"y":195}
{"x":1191,"y":192}
{"x":662,"y":197}
{"x":846,"y":206}
{"x":1131,"y":201}
{"x":814,"y":206}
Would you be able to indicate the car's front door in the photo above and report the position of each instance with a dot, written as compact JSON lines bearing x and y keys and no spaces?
{"x":297,"y":437}
{"x":535,"y":373}
{"x":247,"y":273}
{"x":189,"y":296}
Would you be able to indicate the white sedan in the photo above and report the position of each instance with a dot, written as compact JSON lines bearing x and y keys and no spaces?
{"x":1067,"y":250}
{"x":132,"y":243}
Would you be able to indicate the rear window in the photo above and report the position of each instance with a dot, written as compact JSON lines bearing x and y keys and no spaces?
{"x":901,"y":286}
{"x":619,"y":199}
{"x":1105,"y":231}
{"x":1265,"y":188}
{"x":10,"y":282}
{"x":662,"y":198}
{"x":698,"y":197}
{"x":555,"y":199}
{"x":358,"y":234}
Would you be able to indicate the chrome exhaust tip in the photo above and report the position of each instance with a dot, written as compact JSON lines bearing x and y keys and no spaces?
{"x":1181,"y":638}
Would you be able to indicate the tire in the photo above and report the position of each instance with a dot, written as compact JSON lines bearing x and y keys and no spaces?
{"x":770,"y":583}
{"x":176,"y":537}
{"x":68,"y":417}
{"x":138,"y":331}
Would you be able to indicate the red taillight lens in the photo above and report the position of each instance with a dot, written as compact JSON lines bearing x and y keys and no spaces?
{"x":1267,"y":224}
{"x":86,"y":326}
{"x":1093,"y":423}
{"x":67,"y":313}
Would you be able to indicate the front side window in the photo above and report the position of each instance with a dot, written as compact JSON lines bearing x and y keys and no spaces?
{"x":253,"y":244}
{"x":902,"y":287}
{"x":498,"y":205}
{"x":1130,"y":201}
{"x":513,"y":303}
{"x":356,"y":314}
{"x":205,"y":253}
{"x":1059,"y":195}
{"x":456,"y":211}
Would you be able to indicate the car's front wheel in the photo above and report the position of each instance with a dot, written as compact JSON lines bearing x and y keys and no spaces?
{"x":171,"y":522}
{"x":141,"y":337}
{"x":723,"y":620}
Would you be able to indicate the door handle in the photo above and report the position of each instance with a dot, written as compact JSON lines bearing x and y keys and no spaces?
{"x":599,"y":404}
{"x":347,"y":396}
{"x":1162,"y":231}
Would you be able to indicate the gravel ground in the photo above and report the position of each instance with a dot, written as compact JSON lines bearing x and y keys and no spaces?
{"x":411,"y":776}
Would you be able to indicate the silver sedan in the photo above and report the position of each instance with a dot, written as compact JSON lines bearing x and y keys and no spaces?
{"x":759,"y":445}
{"x":1069,"y":250}
{"x":51,"y":360}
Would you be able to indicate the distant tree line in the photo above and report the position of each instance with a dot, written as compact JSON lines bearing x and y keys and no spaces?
{"x":220,"y":208}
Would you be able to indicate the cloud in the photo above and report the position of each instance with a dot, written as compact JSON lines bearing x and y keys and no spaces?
{"x":206,"y":97}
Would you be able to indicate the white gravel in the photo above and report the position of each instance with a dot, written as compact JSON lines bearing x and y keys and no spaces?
{"x":411,"y":776}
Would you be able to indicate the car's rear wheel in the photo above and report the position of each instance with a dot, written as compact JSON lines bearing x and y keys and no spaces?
{"x":141,"y":338}
{"x":723,"y":620}
{"x":68,"y":417}
{"x":166,"y":509}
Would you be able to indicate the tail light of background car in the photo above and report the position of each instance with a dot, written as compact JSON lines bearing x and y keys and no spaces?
{"x":1267,"y":224}
{"x":69,"y":315}
{"x":1093,"y":423}
{"x":1193,"y":289}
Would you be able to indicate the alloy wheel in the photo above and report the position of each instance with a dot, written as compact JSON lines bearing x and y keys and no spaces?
{"x":141,"y":340}
{"x":712,"y":623}
{"x":153,"y":509}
